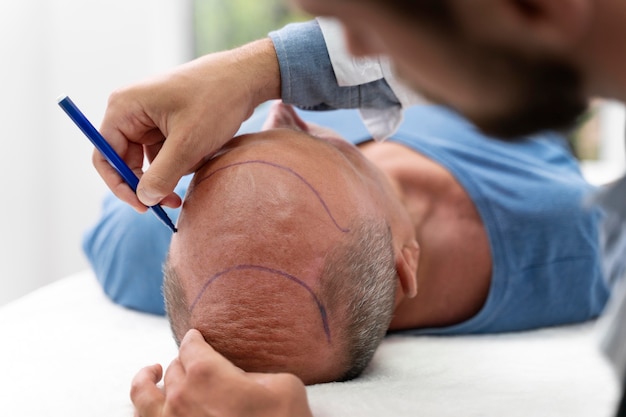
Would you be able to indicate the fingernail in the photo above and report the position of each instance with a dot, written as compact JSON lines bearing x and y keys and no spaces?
{"x":147,"y":197}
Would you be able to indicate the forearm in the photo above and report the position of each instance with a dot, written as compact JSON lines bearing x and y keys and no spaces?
{"x":249,"y":75}
{"x":259,"y":67}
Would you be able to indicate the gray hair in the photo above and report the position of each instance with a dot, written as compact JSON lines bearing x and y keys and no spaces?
{"x":360,"y":278}
{"x":176,"y":305}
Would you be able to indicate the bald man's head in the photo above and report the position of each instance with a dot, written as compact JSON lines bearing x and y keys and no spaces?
{"x":283,"y":259}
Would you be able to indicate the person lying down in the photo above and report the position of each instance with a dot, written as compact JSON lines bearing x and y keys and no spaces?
{"x":297,"y":250}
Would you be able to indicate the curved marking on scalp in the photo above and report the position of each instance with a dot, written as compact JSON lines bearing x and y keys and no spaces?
{"x":290,"y":171}
{"x":260,"y":268}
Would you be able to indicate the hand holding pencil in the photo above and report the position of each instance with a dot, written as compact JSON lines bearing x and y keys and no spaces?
{"x":179,"y":120}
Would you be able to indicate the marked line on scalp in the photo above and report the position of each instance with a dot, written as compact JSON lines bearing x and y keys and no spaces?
{"x":273,"y":271}
{"x":290,"y":171}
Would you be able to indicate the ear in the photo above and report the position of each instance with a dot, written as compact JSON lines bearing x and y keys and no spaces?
{"x":407,"y":260}
{"x":555,"y":24}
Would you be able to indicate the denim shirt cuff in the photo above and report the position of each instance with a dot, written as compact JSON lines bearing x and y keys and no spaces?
{"x":307,"y":77}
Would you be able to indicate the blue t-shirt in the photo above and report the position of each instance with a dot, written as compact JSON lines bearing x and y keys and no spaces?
{"x":547,"y":263}
{"x":544,"y":241}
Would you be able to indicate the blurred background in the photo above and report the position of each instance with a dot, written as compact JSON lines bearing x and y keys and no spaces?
{"x":87,"y":48}
{"x":84,"y":49}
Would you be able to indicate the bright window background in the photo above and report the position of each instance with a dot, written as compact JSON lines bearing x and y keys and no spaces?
{"x":85,"y":49}
{"x":600,"y":142}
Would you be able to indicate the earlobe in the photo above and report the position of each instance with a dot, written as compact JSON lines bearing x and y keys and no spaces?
{"x":407,"y":261}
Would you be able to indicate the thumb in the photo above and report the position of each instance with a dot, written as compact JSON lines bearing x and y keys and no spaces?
{"x":175,"y":159}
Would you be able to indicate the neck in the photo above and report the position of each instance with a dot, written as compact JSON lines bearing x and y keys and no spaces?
{"x":417,"y":182}
{"x":450,"y":288}
{"x":425,"y":189}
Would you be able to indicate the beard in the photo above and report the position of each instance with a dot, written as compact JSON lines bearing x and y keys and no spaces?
{"x":548,"y":94}
{"x":539,"y":93}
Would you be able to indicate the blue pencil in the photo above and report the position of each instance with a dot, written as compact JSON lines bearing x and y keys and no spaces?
{"x":105,"y":149}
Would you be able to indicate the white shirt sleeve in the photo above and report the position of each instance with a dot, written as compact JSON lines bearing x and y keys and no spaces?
{"x":352,"y":71}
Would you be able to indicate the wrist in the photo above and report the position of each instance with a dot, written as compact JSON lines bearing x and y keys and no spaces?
{"x":260,"y":71}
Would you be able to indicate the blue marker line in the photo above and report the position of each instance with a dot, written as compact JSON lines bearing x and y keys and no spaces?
{"x":105,"y":149}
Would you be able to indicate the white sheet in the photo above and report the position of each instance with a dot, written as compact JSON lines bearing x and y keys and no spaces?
{"x":67,"y":351}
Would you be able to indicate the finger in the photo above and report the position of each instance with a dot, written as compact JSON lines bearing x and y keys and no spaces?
{"x":133,"y":155}
{"x":194,"y":346}
{"x":196,"y":353}
{"x":172,"y":200}
{"x":123,"y":191}
{"x":176,"y":158}
{"x":115,"y":183}
{"x":144,"y":393}
{"x":175,"y":373}
{"x":126,"y":127}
